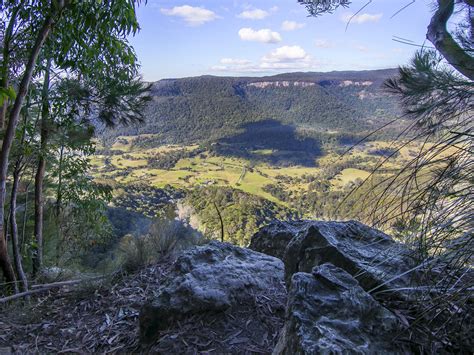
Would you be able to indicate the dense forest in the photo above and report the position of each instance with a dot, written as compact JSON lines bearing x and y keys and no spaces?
{"x":210,"y":108}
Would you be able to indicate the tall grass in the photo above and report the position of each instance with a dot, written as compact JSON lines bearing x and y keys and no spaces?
{"x":430,"y":201}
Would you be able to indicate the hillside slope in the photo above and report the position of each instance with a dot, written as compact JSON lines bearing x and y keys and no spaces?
{"x":209,"y":108}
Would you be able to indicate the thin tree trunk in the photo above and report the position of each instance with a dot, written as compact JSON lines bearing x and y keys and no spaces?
{"x":14,"y":229}
{"x":59,"y":190}
{"x":39,"y":177}
{"x":6,"y":265}
{"x":59,"y":200}
{"x":6,"y":61}
{"x":221,"y":221}
{"x":25,"y":217}
{"x":8,"y":138}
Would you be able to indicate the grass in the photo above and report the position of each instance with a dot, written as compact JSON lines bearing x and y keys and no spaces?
{"x":122,"y":163}
{"x":348,"y":176}
{"x":226,"y":171}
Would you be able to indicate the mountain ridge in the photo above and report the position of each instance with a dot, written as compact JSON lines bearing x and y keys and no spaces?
{"x":383,"y":72}
{"x":211,"y":108}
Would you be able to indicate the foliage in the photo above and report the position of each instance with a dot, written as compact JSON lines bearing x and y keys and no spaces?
{"x":429,"y":201}
{"x":164,"y":237}
{"x":67,"y":67}
{"x":194,"y":109}
{"x":319,"y":7}
{"x":437,"y":185}
{"x":243,"y":214}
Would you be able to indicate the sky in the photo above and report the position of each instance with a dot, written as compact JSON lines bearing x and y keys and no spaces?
{"x":264,"y":37}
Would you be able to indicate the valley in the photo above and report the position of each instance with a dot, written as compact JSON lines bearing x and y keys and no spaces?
{"x":200,"y":168}
{"x":250,"y":181}
{"x":254,"y":149}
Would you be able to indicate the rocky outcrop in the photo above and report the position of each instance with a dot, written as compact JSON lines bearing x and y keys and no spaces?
{"x":209,"y":278}
{"x":328,"y":312}
{"x":328,"y":266}
{"x":273,"y":238}
{"x":370,"y":256}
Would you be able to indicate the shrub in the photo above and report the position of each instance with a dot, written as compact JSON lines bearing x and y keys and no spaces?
{"x":163,"y":238}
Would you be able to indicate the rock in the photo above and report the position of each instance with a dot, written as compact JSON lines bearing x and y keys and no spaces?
{"x":369,"y":255}
{"x":273,"y":238}
{"x":328,"y":312}
{"x":209,"y":278}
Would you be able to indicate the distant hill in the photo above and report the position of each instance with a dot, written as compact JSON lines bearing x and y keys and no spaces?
{"x":209,"y":108}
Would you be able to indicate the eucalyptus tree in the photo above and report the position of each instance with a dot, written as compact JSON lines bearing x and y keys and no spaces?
{"x":110,"y":96}
{"x":456,"y":48}
{"x":79,"y":201}
{"x":22,"y":157}
{"x":47,"y":14}
{"x":90,"y":39}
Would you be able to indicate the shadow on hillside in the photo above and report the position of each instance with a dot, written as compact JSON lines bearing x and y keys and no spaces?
{"x":271,"y":142}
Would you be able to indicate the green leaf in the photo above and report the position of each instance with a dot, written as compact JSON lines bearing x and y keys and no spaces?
{"x":7,"y":93}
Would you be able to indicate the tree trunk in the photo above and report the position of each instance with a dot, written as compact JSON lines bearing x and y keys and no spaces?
{"x":439,"y":35}
{"x":5,"y":62}
{"x":39,"y":177}
{"x":14,"y":229}
{"x":8,"y":138}
{"x":59,"y":190}
{"x":6,"y":265}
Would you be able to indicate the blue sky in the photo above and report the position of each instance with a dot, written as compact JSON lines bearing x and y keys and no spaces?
{"x":264,"y":37}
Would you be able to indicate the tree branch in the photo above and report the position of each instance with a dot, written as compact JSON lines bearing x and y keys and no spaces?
{"x":444,"y":42}
{"x":47,"y":287}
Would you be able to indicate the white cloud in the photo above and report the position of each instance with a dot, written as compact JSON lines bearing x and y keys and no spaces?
{"x":264,"y":35}
{"x":274,"y":8}
{"x":323,"y":43}
{"x":233,"y":64}
{"x":193,"y":16}
{"x":291,"y":25}
{"x":287,"y":58}
{"x":361,"y":48}
{"x":286,"y":54}
{"x":362,"y":18}
{"x":255,"y":14}
{"x":235,"y":61}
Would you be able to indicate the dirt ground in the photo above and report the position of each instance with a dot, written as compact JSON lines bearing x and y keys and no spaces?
{"x":103,"y":317}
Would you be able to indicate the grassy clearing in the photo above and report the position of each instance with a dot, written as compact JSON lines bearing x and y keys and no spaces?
{"x":208,"y":170}
{"x":348,"y":176}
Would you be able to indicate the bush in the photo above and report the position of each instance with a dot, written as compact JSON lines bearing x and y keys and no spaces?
{"x":164,"y":238}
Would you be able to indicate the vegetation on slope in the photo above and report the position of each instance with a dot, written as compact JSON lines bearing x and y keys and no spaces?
{"x":206,"y":109}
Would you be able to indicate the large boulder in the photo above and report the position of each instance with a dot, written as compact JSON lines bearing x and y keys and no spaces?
{"x":209,"y":278}
{"x":369,"y":255}
{"x":273,"y":238}
{"x":328,"y":312}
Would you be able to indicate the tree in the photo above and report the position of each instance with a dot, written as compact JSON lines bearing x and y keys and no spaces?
{"x":88,"y":41}
{"x":438,"y":34}
{"x":50,"y":16}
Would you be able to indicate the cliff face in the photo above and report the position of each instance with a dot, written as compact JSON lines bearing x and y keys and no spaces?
{"x":278,"y":84}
